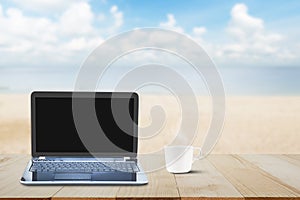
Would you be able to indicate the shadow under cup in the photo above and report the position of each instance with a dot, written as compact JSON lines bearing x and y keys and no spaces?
{"x":179,"y":159}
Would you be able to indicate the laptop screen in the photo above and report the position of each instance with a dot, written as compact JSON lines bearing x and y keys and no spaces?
{"x":98,"y":128}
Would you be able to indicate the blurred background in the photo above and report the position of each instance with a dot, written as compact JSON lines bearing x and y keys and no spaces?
{"x":255,"y":45}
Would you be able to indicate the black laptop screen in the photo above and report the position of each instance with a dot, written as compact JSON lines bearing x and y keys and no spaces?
{"x":55,"y":132}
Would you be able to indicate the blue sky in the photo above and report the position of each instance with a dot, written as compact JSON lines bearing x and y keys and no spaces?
{"x":51,"y":38}
{"x":249,"y":32}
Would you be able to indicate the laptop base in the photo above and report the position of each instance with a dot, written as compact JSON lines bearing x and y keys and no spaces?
{"x":93,"y":178}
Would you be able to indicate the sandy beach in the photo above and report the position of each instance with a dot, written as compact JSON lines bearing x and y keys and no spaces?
{"x":254,"y":124}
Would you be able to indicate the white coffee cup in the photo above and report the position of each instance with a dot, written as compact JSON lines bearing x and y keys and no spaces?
{"x":179,"y":159}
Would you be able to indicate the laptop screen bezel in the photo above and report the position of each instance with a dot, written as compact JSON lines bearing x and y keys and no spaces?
{"x":43,"y":94}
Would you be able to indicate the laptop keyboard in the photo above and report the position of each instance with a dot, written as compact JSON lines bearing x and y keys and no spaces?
{"x":65,"y":166}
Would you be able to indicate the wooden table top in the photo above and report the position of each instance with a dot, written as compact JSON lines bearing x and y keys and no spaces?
{"x":216,"y":177}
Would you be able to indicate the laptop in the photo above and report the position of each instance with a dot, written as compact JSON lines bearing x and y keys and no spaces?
{"x":84,"y":138}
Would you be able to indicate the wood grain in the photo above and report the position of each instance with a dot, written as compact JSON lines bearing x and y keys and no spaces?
{"x":9,"y":158}
{"x":295,"y":156}
{"x":284,"y":172}
{"x":205,"y":181}
{"x":294,"y":159}
{"x":218,"y":177}
{"x":79,"y":192}
{"x":161,"y":184}
{"x":250,"y":181}
{"x":10,"y":187}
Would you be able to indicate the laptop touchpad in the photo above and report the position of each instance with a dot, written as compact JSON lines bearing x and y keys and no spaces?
{"x":72,"y":176}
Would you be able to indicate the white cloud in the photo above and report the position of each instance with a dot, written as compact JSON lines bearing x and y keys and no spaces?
{"x":45,"y":6}
{"x":249,"y":36}
{"x":101,"y":17}
{"x":199,"y":30}
{"x":72,"y":33}
{"x":245,"y":40}
{"x":118,"y":17}
{"x":198,"y":33}
{"x":21,"y":32}
{"x":38,"y":41}
{"x":171,"y":24}
{"x":80,"y":43}
{"x":77,"y":19}
{"x":1,"y":10}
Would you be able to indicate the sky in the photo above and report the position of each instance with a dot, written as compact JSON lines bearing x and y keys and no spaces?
{"x":254,"y":43}
{"x":54,"y":33}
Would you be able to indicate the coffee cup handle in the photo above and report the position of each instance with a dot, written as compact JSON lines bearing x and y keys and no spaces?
{"x":199,"y":154}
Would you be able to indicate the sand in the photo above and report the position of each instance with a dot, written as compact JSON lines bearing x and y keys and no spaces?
{"x":14,"y":124}
{"x":254,"y":124}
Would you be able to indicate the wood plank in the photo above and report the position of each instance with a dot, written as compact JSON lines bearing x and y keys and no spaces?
{"x":10,"y":158}
{"x":249,"y":180}
{"x":218,"y":177}
{"x":162,"y":184}
{"x":285,"y":172}
{"x":293,"y":158}
{"x":10,"y":187}
{"x":205,"y":181}
{"x":80,"y":192}
{"x":289,"y":159}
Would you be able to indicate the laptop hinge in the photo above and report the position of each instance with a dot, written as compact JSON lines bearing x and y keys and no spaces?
{"x":129,"y":159}
{"x":126,"y":158}
{"x":42,"y":158}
